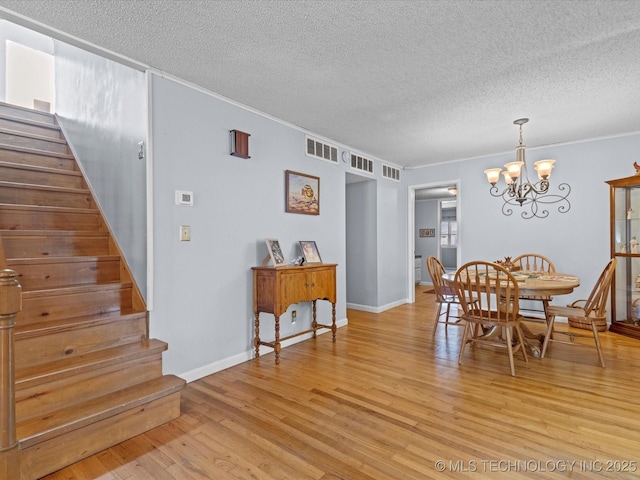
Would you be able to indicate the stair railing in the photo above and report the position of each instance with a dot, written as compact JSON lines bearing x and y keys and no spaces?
{"x":10,"y":305}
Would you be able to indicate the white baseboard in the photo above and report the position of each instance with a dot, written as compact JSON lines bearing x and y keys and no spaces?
{"x":225,"y":363}
{"x":370,"y":309}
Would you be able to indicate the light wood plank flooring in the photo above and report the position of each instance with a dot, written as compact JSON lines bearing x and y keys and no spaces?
{"x":388,"y":402}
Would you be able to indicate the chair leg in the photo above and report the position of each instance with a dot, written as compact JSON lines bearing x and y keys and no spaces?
{"x":463,"y":344}
{"x":548,"y":335}
{"x":507,"y":331}
{"x":435,"y":323}
{"x":545,"y":306}
{"x":446,"y":320}
{"x":522,"y":345}
{"x":598,"y":345}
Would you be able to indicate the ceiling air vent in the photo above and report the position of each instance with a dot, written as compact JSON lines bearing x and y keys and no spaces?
{"x":391,"y":172}
{"x":322,"y":150}
{"x":360,"y":163}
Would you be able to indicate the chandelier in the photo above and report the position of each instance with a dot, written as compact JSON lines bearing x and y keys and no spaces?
{"x":520,"y":191}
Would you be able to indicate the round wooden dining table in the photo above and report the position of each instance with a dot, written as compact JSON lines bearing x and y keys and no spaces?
{"x":534,"y":284}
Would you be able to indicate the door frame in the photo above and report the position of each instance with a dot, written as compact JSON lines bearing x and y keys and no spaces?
{"x":411,"y":229}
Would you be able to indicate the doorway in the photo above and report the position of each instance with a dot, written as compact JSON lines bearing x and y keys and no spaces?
{"x":430,"y":207}
{"x":29,"y":77}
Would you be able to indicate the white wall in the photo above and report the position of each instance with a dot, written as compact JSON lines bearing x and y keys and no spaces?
{"x":577,"y":242}
{"x":15,"y":33}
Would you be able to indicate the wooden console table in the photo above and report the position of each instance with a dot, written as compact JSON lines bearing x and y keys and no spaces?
{"x":275,"y":288}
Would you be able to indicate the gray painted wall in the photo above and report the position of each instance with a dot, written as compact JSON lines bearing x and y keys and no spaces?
{"x":392,"y":244}
{"x":577,"y":242}
{"x":362,"y":245}
{"x":203,"y":288}
{"x":102,"y":107}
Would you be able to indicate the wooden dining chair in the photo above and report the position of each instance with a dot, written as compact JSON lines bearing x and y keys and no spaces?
{"x":489,"y":296}
{"x":590,"y":312}
{"x":534,"y":262}
{"x":445,"y":295}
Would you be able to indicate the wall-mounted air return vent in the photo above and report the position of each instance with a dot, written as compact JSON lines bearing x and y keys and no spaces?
{"x":390,"y":172}
{"x":322,"y":150}
{"x":360,"y":163}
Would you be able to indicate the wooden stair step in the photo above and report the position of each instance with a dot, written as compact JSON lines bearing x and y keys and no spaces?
{"x":29,"y":156}
{"x":31,"y":432}
{"x":71,"y":434}
{"x":12,"y":122}
{"x":30,"y":140}
{"x":65,"y":324}
{"x":35,"y":151}
{"x":38,"y":175}
{"x":53,"y":243}
{"x":41,"y":273}
{"x":66,"y":367}
{"x":83,"y":377}
{"x":55,"y":272}
{"x":38,"y":217}
{"x":75,"y":301}
{"x":27,"y":113}
{"x":65,"y":339}
{"x":42,"y":195}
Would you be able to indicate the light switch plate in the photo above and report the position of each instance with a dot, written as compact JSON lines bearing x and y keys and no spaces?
{"x":185,"y":233}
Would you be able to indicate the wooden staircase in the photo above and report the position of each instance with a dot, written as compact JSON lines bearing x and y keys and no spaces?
{"x":87,"y":375}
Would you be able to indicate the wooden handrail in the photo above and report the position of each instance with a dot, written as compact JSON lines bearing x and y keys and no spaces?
{"x":10,"y":305}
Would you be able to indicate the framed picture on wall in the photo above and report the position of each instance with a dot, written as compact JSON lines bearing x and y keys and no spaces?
{"x":275,"y":252}
{"x":427,"y":232}
{"x":302,"y":193}
{"x":310,"y":251}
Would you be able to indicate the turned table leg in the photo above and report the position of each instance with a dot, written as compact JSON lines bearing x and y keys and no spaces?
{"x":314,"y":323}
{"x":276,"y":343}
{"x":334,"y":328}
{"x":256,"y":338}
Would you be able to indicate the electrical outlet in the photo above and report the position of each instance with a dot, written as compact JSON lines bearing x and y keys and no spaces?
{"x":294,"y":316}
{"x":185,"y":233}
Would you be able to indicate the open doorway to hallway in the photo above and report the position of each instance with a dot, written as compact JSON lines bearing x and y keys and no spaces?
{"x":433,"y":229}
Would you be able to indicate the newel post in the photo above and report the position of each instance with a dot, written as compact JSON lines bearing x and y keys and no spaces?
{"x":10,"y":305}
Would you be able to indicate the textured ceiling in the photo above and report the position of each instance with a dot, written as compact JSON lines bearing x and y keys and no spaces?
{"x":412,"y":83}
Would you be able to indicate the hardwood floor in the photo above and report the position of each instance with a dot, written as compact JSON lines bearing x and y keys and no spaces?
{"x":389,"y":402}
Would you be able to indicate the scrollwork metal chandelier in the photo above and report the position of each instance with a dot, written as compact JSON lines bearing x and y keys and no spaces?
{"x":520,"y":191}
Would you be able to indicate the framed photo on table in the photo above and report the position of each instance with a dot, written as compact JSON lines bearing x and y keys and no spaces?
{"x":310,"y":251}
{"x":275,"y":252}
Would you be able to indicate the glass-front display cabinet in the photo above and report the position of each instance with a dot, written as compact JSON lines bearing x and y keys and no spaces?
{"x":625,"y":246}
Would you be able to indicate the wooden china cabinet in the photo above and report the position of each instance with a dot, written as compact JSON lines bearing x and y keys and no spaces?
{"x":625,"y":238}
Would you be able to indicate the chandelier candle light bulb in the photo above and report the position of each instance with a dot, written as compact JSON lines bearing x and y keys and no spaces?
{"x":520,"y":190}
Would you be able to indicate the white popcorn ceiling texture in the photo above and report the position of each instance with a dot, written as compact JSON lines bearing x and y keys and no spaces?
{"x":413,"y":83}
